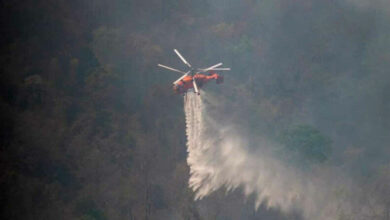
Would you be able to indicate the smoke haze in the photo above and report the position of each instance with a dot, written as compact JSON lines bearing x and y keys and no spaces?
{"x":91,"y":129}
{"x":219,"y":157}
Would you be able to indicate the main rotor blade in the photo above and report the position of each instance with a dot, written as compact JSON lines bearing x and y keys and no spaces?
{"x":182,"y":58}
{"x":195,"y":87}
{"x":185,"y":74}
{"x":170,"y":68}
{"x":219,"y":69}
{"x":216,"y":69}
{"x":211,"y":67}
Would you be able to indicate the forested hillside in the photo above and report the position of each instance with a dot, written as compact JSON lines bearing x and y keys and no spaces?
{"x":91,"y":129}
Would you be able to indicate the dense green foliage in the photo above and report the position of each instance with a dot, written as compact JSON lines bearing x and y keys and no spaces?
{"x":90,"y":129}
{"x":307,"y":142}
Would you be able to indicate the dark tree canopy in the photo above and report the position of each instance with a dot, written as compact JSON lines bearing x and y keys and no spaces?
{"x":90,"y":128}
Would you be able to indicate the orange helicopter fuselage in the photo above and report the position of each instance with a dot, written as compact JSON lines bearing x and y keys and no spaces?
{"x":201,"y":79}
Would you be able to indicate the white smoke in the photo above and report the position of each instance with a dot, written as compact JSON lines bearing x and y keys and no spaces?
{"x":219,"y":157}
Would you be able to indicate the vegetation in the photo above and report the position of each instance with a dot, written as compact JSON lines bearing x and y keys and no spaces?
{"x":307,"y":143}
{"x":90,"y":129}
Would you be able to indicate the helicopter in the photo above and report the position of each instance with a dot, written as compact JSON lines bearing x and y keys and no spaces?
{"x":194,"y":78}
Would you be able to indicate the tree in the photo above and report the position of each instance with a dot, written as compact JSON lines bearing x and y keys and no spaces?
{"x":307,"y":143}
